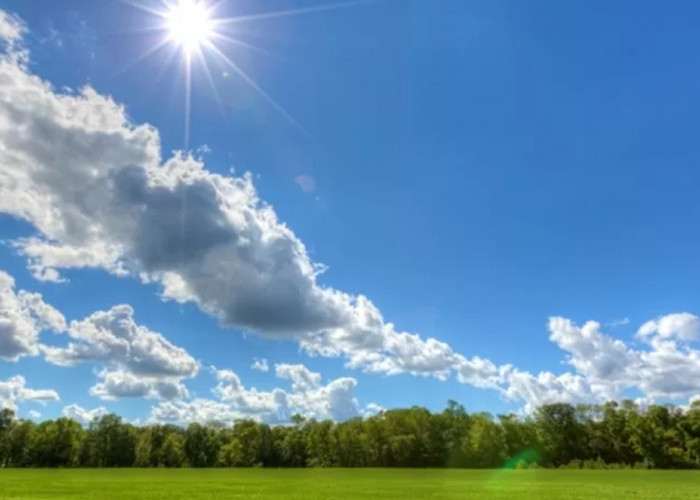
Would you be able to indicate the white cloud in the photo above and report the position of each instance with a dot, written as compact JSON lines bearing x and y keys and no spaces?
{"x":618,"y":322}
{"x":309,"y":397}
{"x":94,"y":186}
{"x":198,"y":410}
{"x":606,"y":367}
{"x":681,"y":326}
{"x":252,"y":402}
{"x":260,"y":365}
{"x":477,"y":371}
{"x":116,"y":384}
{"x":23,"y":315}
{"x":138,"y":361}
{"x":82,"y":415}
{"x":15,"y":390}
{"x":372,"y":409}
{"x":302,"y":378}
{"x":98,"y":192}
{"x":11,"y":28}
{"x":33,"y":414}
{"x":545,"y":388}
{"x":602,"y":360}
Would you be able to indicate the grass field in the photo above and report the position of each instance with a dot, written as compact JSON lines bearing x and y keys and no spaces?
{"x":347,"y":484}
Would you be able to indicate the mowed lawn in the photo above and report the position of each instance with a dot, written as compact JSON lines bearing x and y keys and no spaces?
{"x":324,"y":484}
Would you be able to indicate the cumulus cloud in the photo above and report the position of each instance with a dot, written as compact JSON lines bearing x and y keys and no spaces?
{"x":681,"y":326}
{"x":118,"y":384}
{"x":23,"y":316}
{"x":545,"y":388}
{"x":604,"y":361}
{"x":308,"y":396}
{"x":198,"y":410}
{"x":96,"y":189}
{"x":260,"y":365}
{"x":34,"y":414}
{"x":82,"y":415}
{"x":669,"y":367}
{"x":15,"y":390}
{"x":302,"y":378}
{"x":138,"y":361}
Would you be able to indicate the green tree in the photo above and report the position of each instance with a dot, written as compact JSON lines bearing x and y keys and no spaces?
{"x":243,"y":450}
{"x":113,"y":442}
{"x":201,"y":447}
{"x":7,"y":418}
{"x":172,"y":452}
{"x":322,"y":444}
{"x":19,"y":440}
{"x":485,"y":443}
{"x":559,"y":433}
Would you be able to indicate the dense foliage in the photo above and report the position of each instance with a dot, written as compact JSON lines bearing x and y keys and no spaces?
{"x":557,"y":435}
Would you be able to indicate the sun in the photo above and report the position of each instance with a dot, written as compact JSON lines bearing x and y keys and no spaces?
{"x":189,"y":24}
{"x":197,"y":31}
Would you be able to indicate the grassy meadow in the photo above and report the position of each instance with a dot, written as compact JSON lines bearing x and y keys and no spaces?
{"x":348,"y":484}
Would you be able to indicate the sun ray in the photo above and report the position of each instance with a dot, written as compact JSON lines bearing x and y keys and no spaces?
{"x":188,"y":97}
{"x":240,"y":43}
{"x":191,"y":28}
{"x":256,"y":87}
{"x":212,"y":83}
{"x":145,"y":55}
{"x":145,"y":8}
{"x":294,"y":12}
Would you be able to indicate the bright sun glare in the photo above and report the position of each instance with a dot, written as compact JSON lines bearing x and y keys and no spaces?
{"x":189,"y":24}
{"x":200,"y":34}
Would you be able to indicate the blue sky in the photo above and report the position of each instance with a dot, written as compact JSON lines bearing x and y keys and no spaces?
{"x":512,"y":187}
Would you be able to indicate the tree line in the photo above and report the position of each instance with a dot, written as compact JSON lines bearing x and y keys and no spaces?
{"x":558,"y":435}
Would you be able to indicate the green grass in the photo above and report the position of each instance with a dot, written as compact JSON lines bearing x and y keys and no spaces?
{"x":403,"y":484}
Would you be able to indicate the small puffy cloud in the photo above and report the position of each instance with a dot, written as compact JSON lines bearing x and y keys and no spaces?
{"x":545,"y":388}
{"x":15,"y":390}
{"x":302,"y":378}
{"x":252,"y":402}
{"x":23,"y":316}
{"x":606,"y":367}
{"x":681,"y":326}
{"x":372,"y":409}
{"x":308,"y":396}
{"x":117,"y":384}
{"x":138,"y":362}
{"x":82,"y":415}
{"x":604,"y":361}
{"x":477,"y":371}
{"x":260,"y":364}
{"x":335,"y":401}
{"x":33,"y":414}
{"x":201,"y":411}
{"x":114,"y":337}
